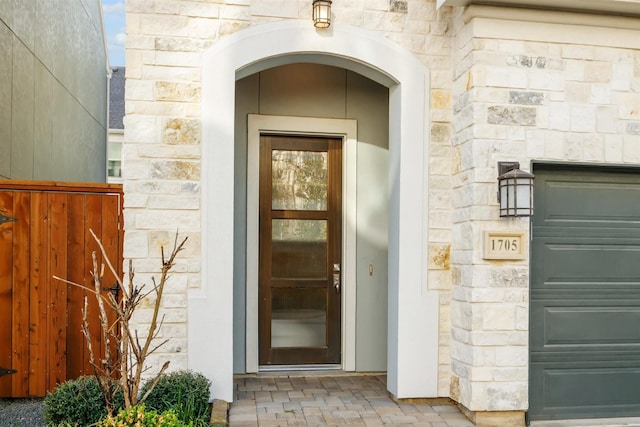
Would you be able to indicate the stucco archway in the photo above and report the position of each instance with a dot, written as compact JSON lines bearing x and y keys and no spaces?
{"x":413,"y":310}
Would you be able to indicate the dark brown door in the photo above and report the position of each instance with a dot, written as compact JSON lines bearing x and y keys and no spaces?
{"x":300,"y":250}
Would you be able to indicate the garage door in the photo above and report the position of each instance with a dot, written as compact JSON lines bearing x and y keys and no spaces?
{"x":585,"y":294}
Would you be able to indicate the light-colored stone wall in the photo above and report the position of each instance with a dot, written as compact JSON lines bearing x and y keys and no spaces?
{"x":527,"y":87}
{"x":161,"y":166}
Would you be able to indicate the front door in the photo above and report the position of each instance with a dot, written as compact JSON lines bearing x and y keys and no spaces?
{"x":300,"y":250}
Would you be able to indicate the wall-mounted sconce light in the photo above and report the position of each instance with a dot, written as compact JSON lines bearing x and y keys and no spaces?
{"x":321,"y":13}
{"x":515,"y":190}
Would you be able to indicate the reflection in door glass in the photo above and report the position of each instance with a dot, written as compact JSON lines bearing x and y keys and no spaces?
{"x":299,"y":248}
{"x":298,"y":317}
{"x":299,"y":180}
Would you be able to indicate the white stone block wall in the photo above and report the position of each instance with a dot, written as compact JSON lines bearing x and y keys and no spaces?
{"x":523,"y":97}
{"x":161,"y":166}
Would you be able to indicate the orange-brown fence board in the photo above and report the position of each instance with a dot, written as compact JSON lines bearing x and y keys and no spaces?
{"x":6,"y":274}
{"x":41,"y":318}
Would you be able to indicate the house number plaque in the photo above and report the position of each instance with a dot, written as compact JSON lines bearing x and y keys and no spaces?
{"x":504,"y":245}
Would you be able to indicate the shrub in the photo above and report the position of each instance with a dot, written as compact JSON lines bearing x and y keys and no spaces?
{"x":139,"y":416}
{"x":186,"y":392}
{"x":77,"y":402}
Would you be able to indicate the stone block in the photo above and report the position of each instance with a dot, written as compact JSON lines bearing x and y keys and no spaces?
{"x":613,"y":148}
{"x":606,"y":119}
{"x":522,"y":116}
{"x":597,"y":72}
{"x":507,"y":77}
{"x":177,"y":284}
{"x":164,"y":241}
{"x":559,"y":116}
{"x":440,"y":132}
{"x":194,"y":281}
{"x":139,"y":90}
{"x":179,"y":44}
{"x":583,"y":118}
{"x":631,"y":148}
{"x":174,"y":300}
{"x":174,"y":169}
{"x":439,"y":279}
{"x":190,"y":187}
{"x":172,"y":91}
{"x":578,"y":52}
{"x":573,"y":145}
{"x":136,"y":169}
{"x":136,"y":244}
{"x":509,"y":278}
{"x":621,"y":76}
{"x":139,"y":128}
{"x":440,"y":99}
{"x":173,"y":202}
{"x":495,"y":418}
{"x":512,"y":356}
{"x":526,"y":97}
{"x":498,"y":317}
{"x":181,"y":131}
{"x":633,"y":128}
{"x":163,"y":25}
{"x":546,"y":80}
{"x":133,"y":200}
{"x":600,"y":94}
{"x":280,"y":9}
{"x":184,"y":221}
{"x":200,"y":9}
{"x":398,"y":6}
{"x":593,"y":147}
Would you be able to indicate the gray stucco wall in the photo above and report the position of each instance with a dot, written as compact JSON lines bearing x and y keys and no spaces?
{"x":312,"y":90}
{"x":53,"y":91}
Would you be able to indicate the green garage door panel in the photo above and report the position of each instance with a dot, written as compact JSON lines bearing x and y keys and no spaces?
{"x":585,"y":294}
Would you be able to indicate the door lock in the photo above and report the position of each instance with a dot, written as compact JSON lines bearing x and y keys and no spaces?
{"x":336,"y":282}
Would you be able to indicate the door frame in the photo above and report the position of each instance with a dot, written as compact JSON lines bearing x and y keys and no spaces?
{"x":347,"y":129}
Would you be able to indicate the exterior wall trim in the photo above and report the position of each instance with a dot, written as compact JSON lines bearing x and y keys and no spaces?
{"x":551,"y":26}
{"x":620,"y":7}
{"x":413,"y":309}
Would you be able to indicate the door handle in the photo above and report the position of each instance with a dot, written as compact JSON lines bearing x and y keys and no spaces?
{"x":336,"y":282}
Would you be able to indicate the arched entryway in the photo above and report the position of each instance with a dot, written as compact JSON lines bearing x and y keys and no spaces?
{"x":412,"y":309}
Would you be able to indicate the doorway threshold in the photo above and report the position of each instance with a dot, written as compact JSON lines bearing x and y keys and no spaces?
{"x":300,"y":369}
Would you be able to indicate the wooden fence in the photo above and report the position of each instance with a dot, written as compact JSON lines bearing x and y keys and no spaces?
{"x":44,"y":231}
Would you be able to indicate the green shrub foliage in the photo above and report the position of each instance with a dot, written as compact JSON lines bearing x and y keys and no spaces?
{"x":139,"y":416}
{"x":77,"y":402}
{"x":186,"y":392}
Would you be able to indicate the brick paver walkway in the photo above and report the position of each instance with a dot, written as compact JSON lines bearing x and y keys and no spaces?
{"x":342,"y":400}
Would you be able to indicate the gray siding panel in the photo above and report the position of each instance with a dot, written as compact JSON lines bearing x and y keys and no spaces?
{"x":6,"y":70}
{"x":54,"y":91}
{"x":22,"y":113}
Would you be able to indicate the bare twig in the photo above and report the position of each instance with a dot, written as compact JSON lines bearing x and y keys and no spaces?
{"x":132,"y":351}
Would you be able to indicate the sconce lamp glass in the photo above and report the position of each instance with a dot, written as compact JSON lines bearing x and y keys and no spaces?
{"x":515,"y":190}
{"x":321,"y":13}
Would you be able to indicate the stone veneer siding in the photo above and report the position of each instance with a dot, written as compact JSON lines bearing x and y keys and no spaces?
{"x":524,"y":97}
{"x":515,"y":88}
{"x":161,"y":167}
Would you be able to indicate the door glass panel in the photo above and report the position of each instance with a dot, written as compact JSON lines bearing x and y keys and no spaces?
{"x":298,"y":317}
{"x":299,"y":248}
{"x":299,"y":180}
